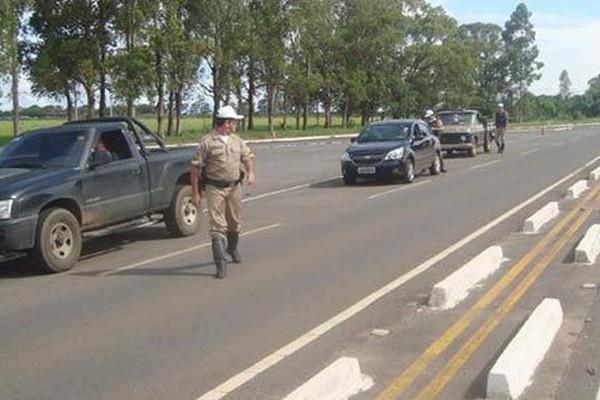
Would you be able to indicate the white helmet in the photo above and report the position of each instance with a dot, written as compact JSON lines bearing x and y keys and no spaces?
{"x":428,"y":113}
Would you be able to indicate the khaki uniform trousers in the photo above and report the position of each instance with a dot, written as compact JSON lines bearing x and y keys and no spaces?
{"x":224,"y":209}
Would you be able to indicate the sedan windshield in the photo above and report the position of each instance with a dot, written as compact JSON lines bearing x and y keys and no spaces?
{"x":384,"y":133}
{"x":44,"y":150}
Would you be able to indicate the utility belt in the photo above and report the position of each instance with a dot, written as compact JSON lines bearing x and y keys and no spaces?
{"x":223,"y":184}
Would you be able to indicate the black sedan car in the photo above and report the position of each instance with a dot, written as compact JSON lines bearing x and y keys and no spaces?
{"x":394,"y":148}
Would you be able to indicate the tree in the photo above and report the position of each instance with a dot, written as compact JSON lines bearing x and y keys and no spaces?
{"x":271,"y":25}
{"x":211,"y":24}
{"x":520,"y":55}
{"x":592,"y":95}
{"x":564,"y":85}
{"x":11,"y":15}
{"x":485,"y":45}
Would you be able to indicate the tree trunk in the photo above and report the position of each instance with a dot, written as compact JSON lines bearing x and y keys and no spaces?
{"x":16,"y":116}
{"x":328,"y":117}
{"x":130,"y":107}
{"x":178,"y":98}
{"x":270,"y":106}
{"x":251,"y":95}
{"x":305,"y":115}
{"x":298,"y":109}
{"x":160,"y":108}
{"x":69,"y":99}
{"x":91,"y":101}
{"x":170,"y":115}
{"x":216,"y":75}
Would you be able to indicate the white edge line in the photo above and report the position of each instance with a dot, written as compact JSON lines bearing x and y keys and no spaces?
{"x":485,"y":164}
{"x":399,"y":189}
{"x":177,"y":253}
{"x":305,"y":185}
{"x":530,"y":151}
{"x":243,"y":377}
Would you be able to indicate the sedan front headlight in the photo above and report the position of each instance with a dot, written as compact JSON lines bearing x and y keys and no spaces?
{"x":346,"y":157}
{"x":395,"y":154}
{"x":5,"y":208}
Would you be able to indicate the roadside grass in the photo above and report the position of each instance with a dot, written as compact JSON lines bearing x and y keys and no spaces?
{"x":193,"y":128}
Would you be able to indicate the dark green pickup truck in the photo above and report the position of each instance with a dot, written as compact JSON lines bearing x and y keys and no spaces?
{"x":464,"y":130}
{"x":89,"y":179}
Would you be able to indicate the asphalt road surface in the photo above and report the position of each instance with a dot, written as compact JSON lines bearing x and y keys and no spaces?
{"x":142,"y":316}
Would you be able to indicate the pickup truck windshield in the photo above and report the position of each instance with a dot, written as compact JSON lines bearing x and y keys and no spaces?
{"x":458,"y":118}
{"x":384,"y":133}
{"x":42,"y":150}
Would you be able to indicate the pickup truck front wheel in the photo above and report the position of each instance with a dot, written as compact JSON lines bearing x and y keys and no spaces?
{"x":182,"y":217}
{"x":58,"y":241}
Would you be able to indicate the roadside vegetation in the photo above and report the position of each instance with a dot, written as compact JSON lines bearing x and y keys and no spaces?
{"x":280,"y":62}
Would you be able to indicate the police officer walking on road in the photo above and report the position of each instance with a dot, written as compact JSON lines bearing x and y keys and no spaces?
{"x":436,"y":127}
{"x":216,"y":166}
{"x":501,"y":125}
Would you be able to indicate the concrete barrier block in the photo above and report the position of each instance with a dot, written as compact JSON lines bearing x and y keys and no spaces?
{"x":514,"y":370}
{"x":588,"y":249}
{"x":577,"y":189}
{"x":338,"y":381}
{"x":456,"y":287}
{"x":540,"y":218}
{"x":594,"y":175}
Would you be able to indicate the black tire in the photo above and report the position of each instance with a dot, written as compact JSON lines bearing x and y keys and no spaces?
{"x":436,"y":165}
{"x":57,"y":241}
{"x":182,"y":217}
{"x":473,"y":150}
{"x":409,"y":173}
{"x":349,"y":179}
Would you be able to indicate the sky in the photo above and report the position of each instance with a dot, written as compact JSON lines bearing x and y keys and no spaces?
{"x":567,"y":35}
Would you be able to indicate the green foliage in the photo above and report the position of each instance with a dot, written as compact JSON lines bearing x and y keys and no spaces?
{"x":520,"y":55}
{"x":348,"y":57}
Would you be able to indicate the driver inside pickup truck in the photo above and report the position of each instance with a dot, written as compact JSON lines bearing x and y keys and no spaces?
{"x":101,"y":154}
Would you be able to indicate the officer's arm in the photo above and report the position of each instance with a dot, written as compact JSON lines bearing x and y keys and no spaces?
{"x":249,"y":166}
{"x":195,"y":176}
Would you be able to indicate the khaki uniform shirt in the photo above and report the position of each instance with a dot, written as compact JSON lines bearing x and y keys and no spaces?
{"x":221,"y":161}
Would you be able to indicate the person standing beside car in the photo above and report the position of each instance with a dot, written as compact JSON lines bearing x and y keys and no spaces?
{"x":501,"y":125}
{"x":436,"y":125}
{"x":220,"y":156}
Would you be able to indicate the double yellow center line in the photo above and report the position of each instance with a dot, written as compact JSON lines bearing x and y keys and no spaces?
{"x":579,"y":214}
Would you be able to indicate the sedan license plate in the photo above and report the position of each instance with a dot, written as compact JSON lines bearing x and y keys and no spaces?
{"x":366,"y":170}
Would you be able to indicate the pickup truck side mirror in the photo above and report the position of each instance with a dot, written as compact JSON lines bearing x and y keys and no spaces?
{"x":353,"y":139}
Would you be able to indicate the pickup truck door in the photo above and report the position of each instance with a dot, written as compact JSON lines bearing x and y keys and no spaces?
{"x":117,"y":190}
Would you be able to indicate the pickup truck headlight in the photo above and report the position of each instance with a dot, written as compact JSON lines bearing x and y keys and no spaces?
{"x":395,"y":154}
{"x":5,"y":208}
{"x":346,"y":157}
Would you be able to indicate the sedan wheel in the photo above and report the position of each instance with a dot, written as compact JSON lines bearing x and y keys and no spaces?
{"x":409,"y":173}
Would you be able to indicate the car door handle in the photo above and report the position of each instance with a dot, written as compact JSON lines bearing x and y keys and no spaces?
{"x":136,"y":171}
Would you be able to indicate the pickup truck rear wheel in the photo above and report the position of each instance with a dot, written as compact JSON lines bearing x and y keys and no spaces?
{"x":58,"y":240}
{"x":182,"y":217}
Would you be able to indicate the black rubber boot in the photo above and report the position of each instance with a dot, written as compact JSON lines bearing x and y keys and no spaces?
{"x":232,"y":242}
{"x":218,"y":249}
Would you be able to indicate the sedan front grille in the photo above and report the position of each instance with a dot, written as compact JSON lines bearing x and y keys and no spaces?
{"x":367,"y":159}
